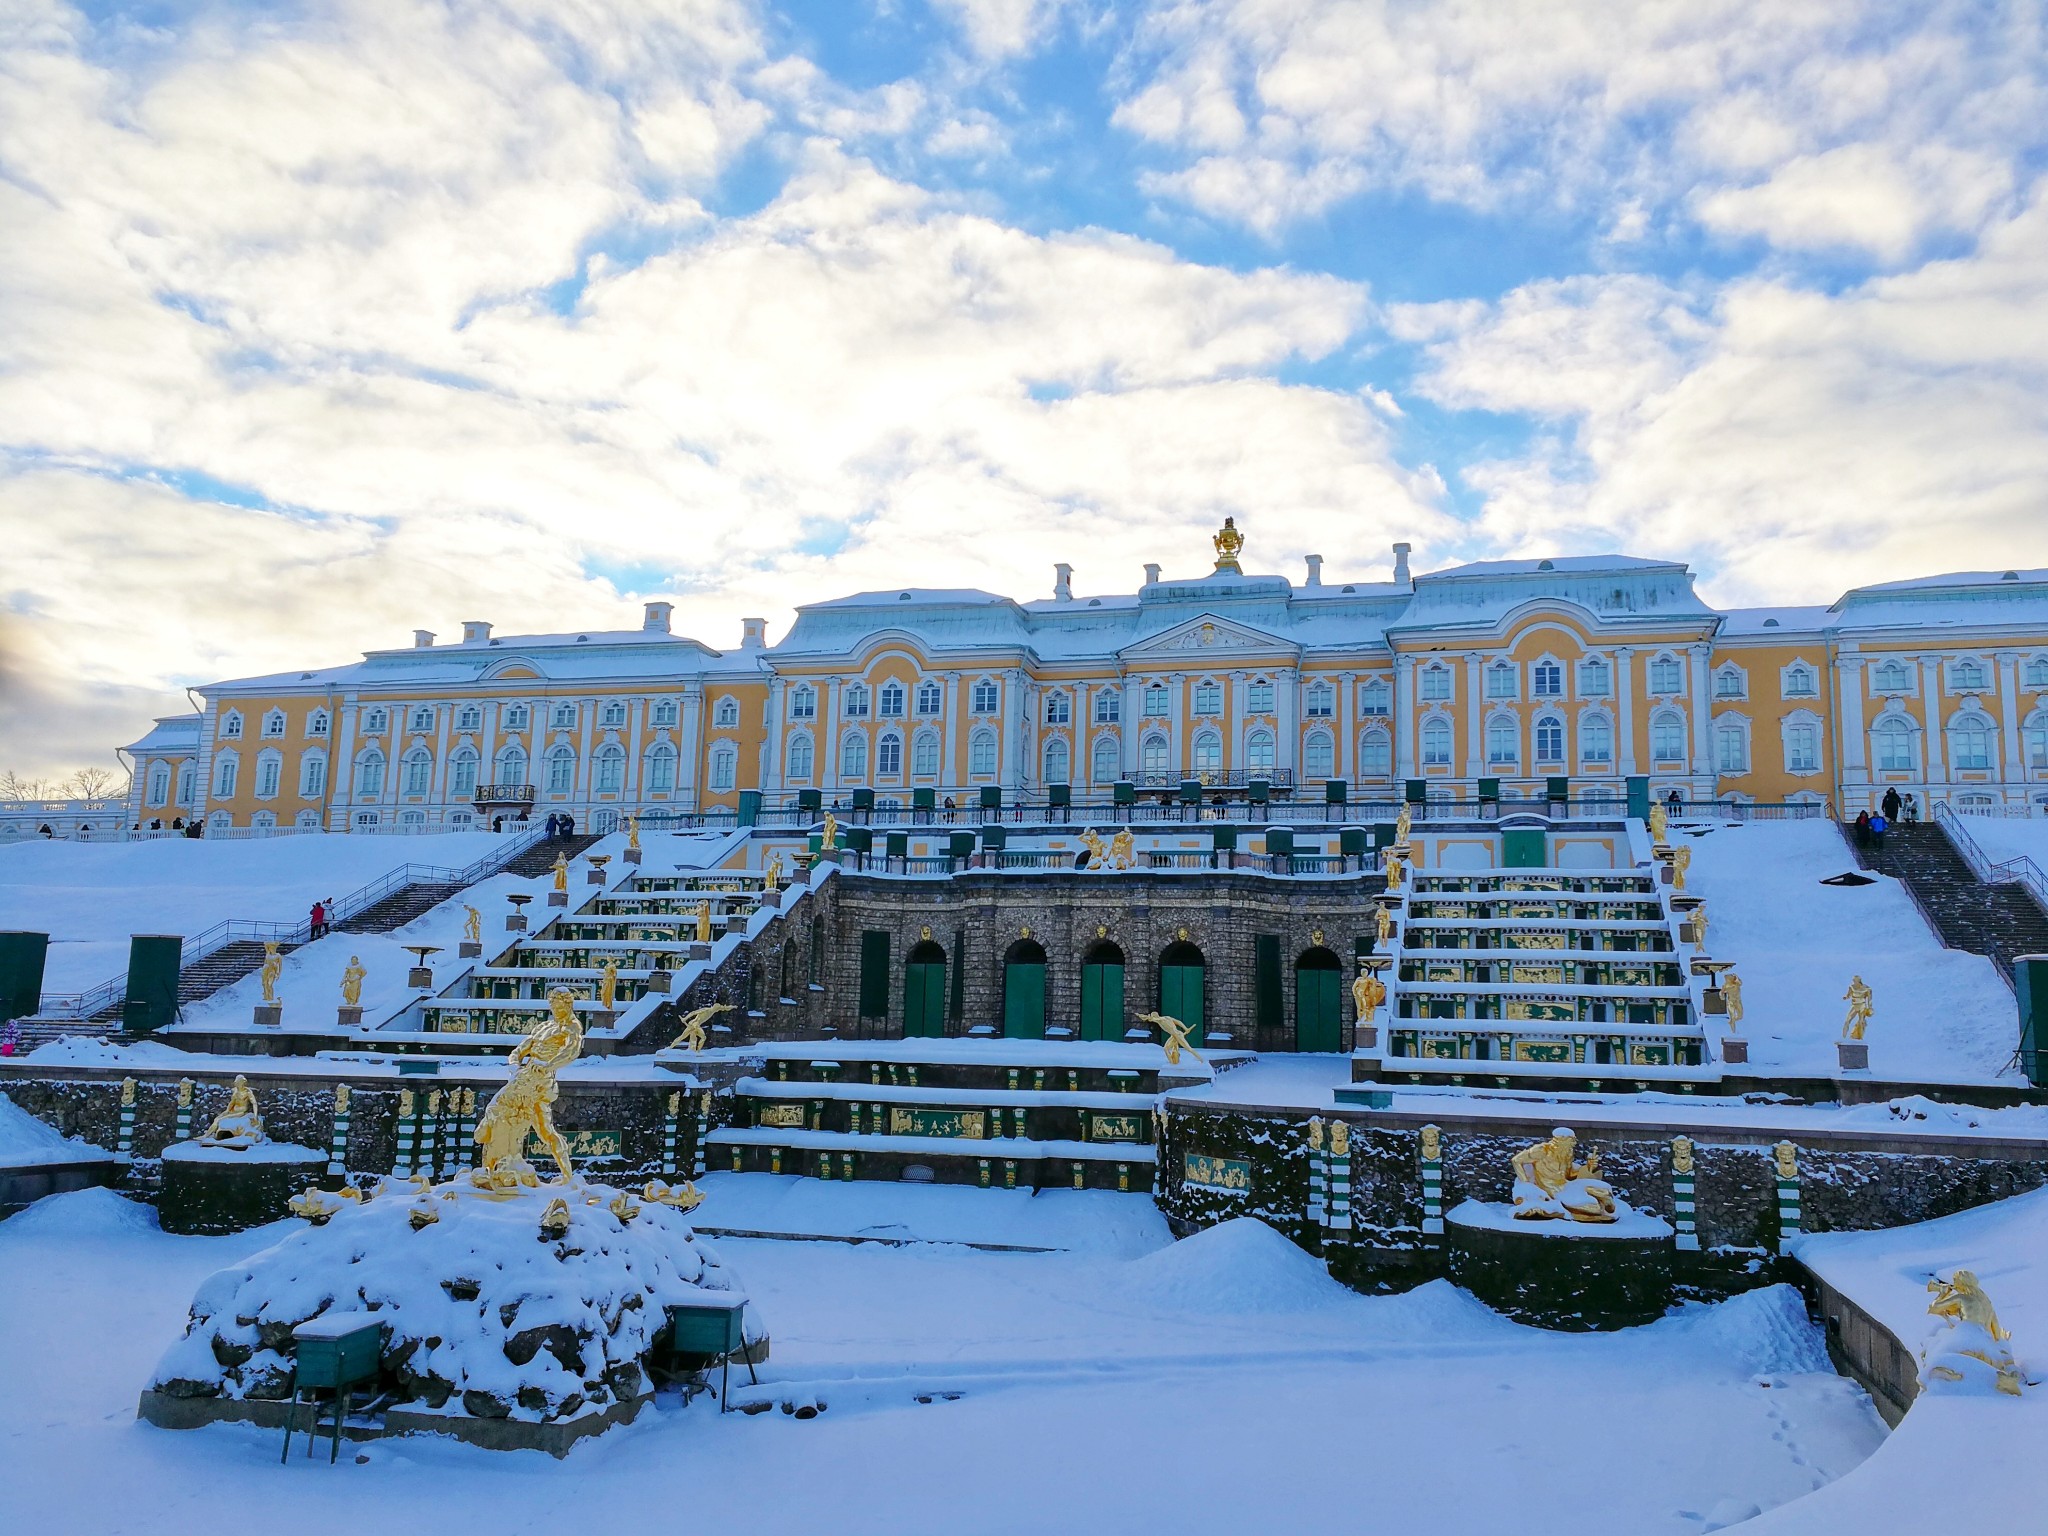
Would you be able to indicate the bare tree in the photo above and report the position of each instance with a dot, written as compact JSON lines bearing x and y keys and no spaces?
{"x":14,"y":786}
{"x":96,"y":784}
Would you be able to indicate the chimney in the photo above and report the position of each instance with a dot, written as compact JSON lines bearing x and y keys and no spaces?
{"x":1315,"y":570}
{"x":1151,"y":574}
{"x":657,"y":617}
{"x":422,"y":639}
{"x":475,"y":631}
{"x":1401,"y":562}
{"x":753,"y":634}
{"x":1063,"y":583}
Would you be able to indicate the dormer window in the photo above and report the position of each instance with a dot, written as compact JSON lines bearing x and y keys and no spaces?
{"x":857,"y":701}
{"x":231,"y":725}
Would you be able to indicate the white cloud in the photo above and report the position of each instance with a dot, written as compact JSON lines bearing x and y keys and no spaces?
{"x":1003,"y":29}
{"x":1863,"y":196}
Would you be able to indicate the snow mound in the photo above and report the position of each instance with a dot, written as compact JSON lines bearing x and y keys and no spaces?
{"x":1764,"y":1332}
{"x":86,"y":1051}
{"x":1239,"y":1266}
{"x":483,"y":1313}
{"x":25,"y":1138}
{"x":82,"y":1213}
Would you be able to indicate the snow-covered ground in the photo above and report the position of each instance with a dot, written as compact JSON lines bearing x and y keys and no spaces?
{"x":26,"y":1141}
{"x":90,"y":897}
{"x":1221,"y":1384}
{"x":1943,"y":1015}
{"x":2010,"y":837}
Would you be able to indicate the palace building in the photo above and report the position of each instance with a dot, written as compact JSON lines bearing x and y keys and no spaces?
{"x":1499,"y":678}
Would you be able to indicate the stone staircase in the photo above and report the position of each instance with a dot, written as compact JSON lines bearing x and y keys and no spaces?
{"x":540,"y":858}
{"x":397,"y":909}
{"x":1996,"y":921}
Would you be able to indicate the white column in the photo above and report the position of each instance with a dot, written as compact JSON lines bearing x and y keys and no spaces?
{"x":341,"y":769}
{"x":1702,"y":713}
{"x":1930,"y":698}
{"x":487,"y":742}
{"x":1853,"y":748}
{"x":586,"y":725}
{"x":1287,"y":700}
{"x":2011,"y":766}
{"x":1404,"y":717}
{"x":437,"y":786}
{"x":636,"y":716}
{"x":690,"y":745}
{"x":1015,"y":700}
{"x":1133,"y":723}
{"x":949,"y":771}
{"x":1625,"y":708}
{"x":1475,"y":715}
{"x":826,"y":763}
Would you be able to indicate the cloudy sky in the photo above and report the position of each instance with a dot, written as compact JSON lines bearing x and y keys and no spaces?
{"x":322,"y":322}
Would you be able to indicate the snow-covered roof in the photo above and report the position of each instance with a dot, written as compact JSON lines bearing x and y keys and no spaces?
{"x":1960,"y":599}
{"x":1793,"y":622}
{"x":1615,"y":589}
{"x":2037,"y":577}
{"x":171,"y":734}
{"x":593,"y":655}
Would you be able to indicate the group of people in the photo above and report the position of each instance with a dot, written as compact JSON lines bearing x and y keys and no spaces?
{"x":561,"y":824}
{"x":1894,"y":810}
{"x":321,"y":916}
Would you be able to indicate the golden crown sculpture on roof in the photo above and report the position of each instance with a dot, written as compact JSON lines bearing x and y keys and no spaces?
{"x":1228,"y":542}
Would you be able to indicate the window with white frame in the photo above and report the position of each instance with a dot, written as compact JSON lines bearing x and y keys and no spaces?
{"x":462,"y":773}
{"x":725,"y":766}
{"x":1156,"y":704}
{"x":1596,"y":678}
{"x":1503,"y":741}
{"x":269,"y":774}
{"x":370,"y":774}
{"x":1208,"y":697}
{"x":889,"y":700}
{"x":516,"y":716}
{"x":1207,"y":756}
{"x":419,"y":771}
{"x":1056,"y":760}
{"x":1731,"y":745}
{"x":1108,"y":761}
{"x":856,"y":701}
{"x":2036,"y":673}
{"x":608,"y":772}
{"x":981,"y":753}
{"x":1321,"y":701}
{"x":1968,"y":675}
{"x":1375,"y":755}
{"x":984,"y":698}
{"x":1667,"y":736}
{"x":1375,"y":698}
{"x":1893,"y":739}
{"x":564,"y":717}
{"x":889,"y":756}
{"x":798,"y":756}
{"x":561,"y":771}
{"x":1436,"y":743}
{"x":1801,"y":681}
{"x":1318,"y":755}
{"x":1258,"y":752}
{"x":665,"y":713}
{"x":159,"y":783}
{"x":1666,"y":675}
{"x":1969,"y":738}
{"x":469,"y":718}
{"x":1258,"y":697}
{"x":1436,"y":681}
{"x":1546,"y":681}
{"x":2034,"y":742}
{"x":313,"y":775}
{"x":273,"y":723}
{"x":725,"y":715}
{"x":317,"y":723}
{"x":1500,"y":681}
{"x":423,"y":718}
{"x":1059,"y":708}
{"x":1596,"y":741}
{"x":803,"y":702}
{"x":231,"y":725}
{"x":1892,"y":677}
{"x":188,"y":783}
{"x":1802,"y":746}
{"x":930,"y":698}
{"x":376,"y":721}
{"x":613,"y":716}
{"x":853,"y":756}
{"x":1152,"y":754}
{"x":1730,"y":682}
{"x":1109,"y":706}
{"x":511,"y":767}
{"x":1549,"y":739}
{"x":924,"y":754}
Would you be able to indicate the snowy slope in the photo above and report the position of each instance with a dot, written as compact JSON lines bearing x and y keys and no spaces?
{"x":89,"y":897}
{"x":2010,"y":837}
{"x":1942,"y":1015}
{"x":26,"y":1141}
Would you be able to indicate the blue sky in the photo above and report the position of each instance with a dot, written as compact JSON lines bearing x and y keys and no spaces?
{"x":323,"y":322}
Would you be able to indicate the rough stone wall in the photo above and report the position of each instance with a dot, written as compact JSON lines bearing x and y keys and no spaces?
{"x":766,"y":980}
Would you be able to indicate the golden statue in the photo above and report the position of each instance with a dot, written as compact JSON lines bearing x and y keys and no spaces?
{"x":561,"y":872}
{"x":1699,"y":925}
{"x":829,"y":838}
{"x":352,"y":982}
{"x":1393,"y":868}
{"x":632,"y":829}
{"x":1961,"y":1300}
{"x":704,"y":921}
{"x":273,"y":967}
{"x":315,"y":1206}
{"x":694,"y":1036}
{"x":1550,"y":1186}
{"x":1861,"y":1004}
{"x":608,"y":985}
{"x":683,"y":1197}
{"x":1098,"y":851}
{"x":1660,"y":825}
{"x":1786,"y":1156}
{"x":1123,"y":850}
{"x":771,"y":879}
{"x":622,"y":1206}
{"x":1340,"y":1139}
{"x":1175,"y":1037}
{"x":554,"y":1221}
{"x":1402,"y":825}
{"x":1432,"y":1143}
{"x":1229,"y":544}
{"x":239,"y":1126}
{"x":1731,"y":994}
{"x":1367,"y":993}
{"x":1315,"y":1133}
{"x":1681,"y":1154}
{"x":473,"y":925}
{"x":1383,"y":923}
{"x":1681,"y":861}
{"x":524,"y":1106}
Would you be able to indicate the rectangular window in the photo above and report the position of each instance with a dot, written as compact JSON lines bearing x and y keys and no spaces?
{"x":1546,"y":680}
{"x":1595,"y":679}
{"x":1665,"y":675}
{"x":1802,"y":748}
{"x":1799,"y":683}
{"x":1375,"y":698}
{"x":1208,"y":698}
{"x":1322,"y":701}
{"x":985,"y":698}
{"x":1259,"y":699}
{"x":1436,"y":682}
{"x":313,"y":777}
{"x":1109,"y":707}
{"x":1059,"y":708}
{"x":1155,"y":701}
{"x":268,"y":772}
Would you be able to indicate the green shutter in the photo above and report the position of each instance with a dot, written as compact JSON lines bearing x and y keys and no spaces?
{"x":1266,"y":998}
{"x":1318,"y":1021}
{"x":874,"y":973}
{"x":1180,"y":997}
{"x":1522,"y":848}
{"x":1102,"y":1002}
{"x":924,"y":999}
{"x":1024,"y":999}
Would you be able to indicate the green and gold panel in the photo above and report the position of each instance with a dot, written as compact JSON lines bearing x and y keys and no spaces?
{"x":957,"y":1124}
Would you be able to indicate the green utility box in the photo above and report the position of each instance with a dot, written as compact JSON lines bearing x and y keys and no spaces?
{"x":991,"y":797}
{"x":21,"y":973}
{"x":1489,"y":791}
{"x":1639,"y":796}
{"x":154,"y":960}
{"x":960,"y":845}
{"x":1124,"y":792}
{"x":1522,"y":848}
{"x":1260,"y":791}
{"x":861,"y":839}
{"x":1279,"y":839}
{"x":1059,"y":796}
{"x":994,"y":839}
{"x":863,"y":799}
{"x":1353,"y":840}
{"x":1223,"y":838}
{"x":810,"y":799}
{"x":897,"y":845}
{"x":1557,"y":790}
{"x":1334,"y":791}
{"x":924,"y":799}
{"x":750,"y":807}
{"x":1190,"y":791}
{"x":1415,"y":791}
{"x":2030,"y":985}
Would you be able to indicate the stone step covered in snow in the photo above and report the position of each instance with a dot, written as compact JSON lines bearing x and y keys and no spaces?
{"x":989,"y":1162}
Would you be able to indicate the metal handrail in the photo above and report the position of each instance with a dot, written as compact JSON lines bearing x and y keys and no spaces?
{"x":2018,"y":870}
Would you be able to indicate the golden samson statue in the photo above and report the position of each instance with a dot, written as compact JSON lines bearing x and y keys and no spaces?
{"x":525,"y":1105}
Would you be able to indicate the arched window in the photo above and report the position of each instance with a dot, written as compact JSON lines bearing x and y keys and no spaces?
{"x":511,"y":766}
{"x":462,"y":773}
{"x":853,"y":756}
{"x":376,"y":721}
{"x":2033,"y":742}
{"x":1258,"y":697}
{"x":856,"y":701}
{"x":924,"y":754}
{"x":1970,"y":742}
{"x":1436,"y":681}
{"x":889,"y":754}
{"x":1503,"y":742}
{"x":1667,"y":736}
{"x":1549,"y":739}
{"x":1546,"y":680}
{"x":984,"y":697}
{"x":1800,"y":681}
{"x":803,"y":702}
{"x":273,"y":723}
{"x":1109,"y":764}
{"x":159,"y":783}
{"x":1152,"y":754}
{"x":1208,"y":753}
{"x":1258,"y":752}
{"x":725,"y":765}
{"x":1596,"y":741}
{"x":610,"y":769}
{"x":419,"y":770}
{"x":564,"y":717}
{"x":1155,"y":701}
{"x":1436,"y":743}
{"x":799,"y":760}
{"x":561,"y":771}
{"x":370,"y":773}
{"x":1802,"y":745}
{"x":1731,"y":745}
{"x":1968,"y":676}
{"x":727,"y":714}
{"x":981,"y":752}
{"x":317,"y":723}
{"x":1109,"y":705}
{"x":1894,"y":742}
{"x":890,"y":701}
{"x":928,"y":697}
{"x":1321,"y":701}
{"x":1375,"y":756}
{"x":661,"y":768}
{"x":2037,"y":672}
{"x":1059,"y":708}
{"x":1730,"y":682}
{"x":1056,"y":760}
{"x":188,"y":783}
{"x":1500,"y":680}
{"x":269,"y":774}
{"x":1596,"y":678}
{"x":613,"y":714}
{"x":1318,"y":756}
{"x":231,"y":725}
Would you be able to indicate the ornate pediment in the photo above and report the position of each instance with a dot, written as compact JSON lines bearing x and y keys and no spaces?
{"x":1211,"y":634}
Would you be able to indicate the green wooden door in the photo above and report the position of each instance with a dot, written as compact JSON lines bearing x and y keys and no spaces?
{"x":1180,"y":997}
{"x":924,"y":999}
{"x":1102,"y":1000}
{"x":1318,"y":1016}
{"x":1522,"y":848}
{"x":1024,"y":999}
